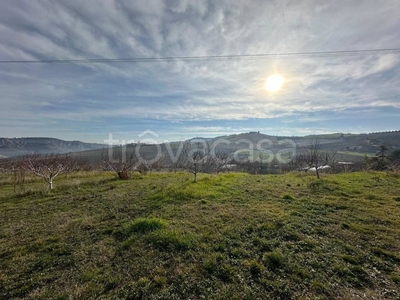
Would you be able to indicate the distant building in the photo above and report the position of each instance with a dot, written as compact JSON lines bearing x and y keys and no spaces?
{"x":346,"y":165}
{"x":354,"y":148}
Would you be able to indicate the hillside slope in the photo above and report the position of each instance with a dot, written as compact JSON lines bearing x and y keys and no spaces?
{"x":231,"y":236}
{"x":10,"y":147}
{"x":349,"y":147}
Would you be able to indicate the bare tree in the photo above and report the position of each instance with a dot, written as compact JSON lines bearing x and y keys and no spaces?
{"x":50,"y":166}
{"x":149,"y":165}
{"x":251,"y":167}
{"x":394,"y":167}
{"x":120,"y":161}
{"x":4,"y":166}
{"x":194,"y":157}
{"x":314,"y":158}
{"x":378,"y":162}
{"x":394,"y":161}
{"x":14,"y":167}
{"x":19,"y":175}
{"x":381,"y":159}
{"x":395,"y":157}
{"x":218,"y":161}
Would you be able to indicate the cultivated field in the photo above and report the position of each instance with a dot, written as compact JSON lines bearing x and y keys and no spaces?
{"x":231,"y":236}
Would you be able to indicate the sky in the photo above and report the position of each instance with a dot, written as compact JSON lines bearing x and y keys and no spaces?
{"x":175,"y":100}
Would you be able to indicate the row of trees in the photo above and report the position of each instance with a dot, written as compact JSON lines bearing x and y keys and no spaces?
{"x":47,"y":167}
{"x":194,"y":157}
{"x":314,"y":158}
{"x":382,"y":161}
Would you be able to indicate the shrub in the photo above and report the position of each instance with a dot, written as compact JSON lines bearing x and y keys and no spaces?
{"x":226,"y":272}
{"x":144,"y":225}
{"x":395,"y":278}
{"x":255,"y":269}
{"x":274,"y":260}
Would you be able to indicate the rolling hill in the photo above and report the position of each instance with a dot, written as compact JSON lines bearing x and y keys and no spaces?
{"x":10,"y":147}
{"x":349,"y":147}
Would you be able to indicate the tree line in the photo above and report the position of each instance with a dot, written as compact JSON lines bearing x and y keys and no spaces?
{"x":194,"y":157}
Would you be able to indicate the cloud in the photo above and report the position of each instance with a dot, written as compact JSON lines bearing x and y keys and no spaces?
{"x":191,"y":91}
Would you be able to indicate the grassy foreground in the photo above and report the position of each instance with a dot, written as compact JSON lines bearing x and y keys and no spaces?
{"x":231,"y":236}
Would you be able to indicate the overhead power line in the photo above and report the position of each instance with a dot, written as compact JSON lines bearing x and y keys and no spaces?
{"x":208,"y":57}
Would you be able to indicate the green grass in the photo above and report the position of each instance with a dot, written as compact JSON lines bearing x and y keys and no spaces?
{"x":352,"y":153}
{"x":231,"y":236}
{"x":143,"y":225}
{"x":352,"y":156}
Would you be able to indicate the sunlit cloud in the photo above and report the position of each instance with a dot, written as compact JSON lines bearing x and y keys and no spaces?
{"x":91,"y":100}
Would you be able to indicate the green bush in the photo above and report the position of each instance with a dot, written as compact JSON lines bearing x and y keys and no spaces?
{"x":395,"y":278}
{"x":255,"y":269}
{"x":274,"y":260}
{"x":144,"y":225}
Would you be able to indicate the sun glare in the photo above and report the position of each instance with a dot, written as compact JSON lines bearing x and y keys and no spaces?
{"x":274,"y":83}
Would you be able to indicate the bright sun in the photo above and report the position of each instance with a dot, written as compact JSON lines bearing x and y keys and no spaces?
{"x":274,"y":83}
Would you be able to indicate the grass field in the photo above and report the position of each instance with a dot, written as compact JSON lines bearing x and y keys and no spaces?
{"x":231,"y":236}
{"x":353,"y":156}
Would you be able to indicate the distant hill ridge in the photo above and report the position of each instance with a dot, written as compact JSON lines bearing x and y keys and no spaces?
{"x":350,"y":146}
{"x":19,"y":146}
